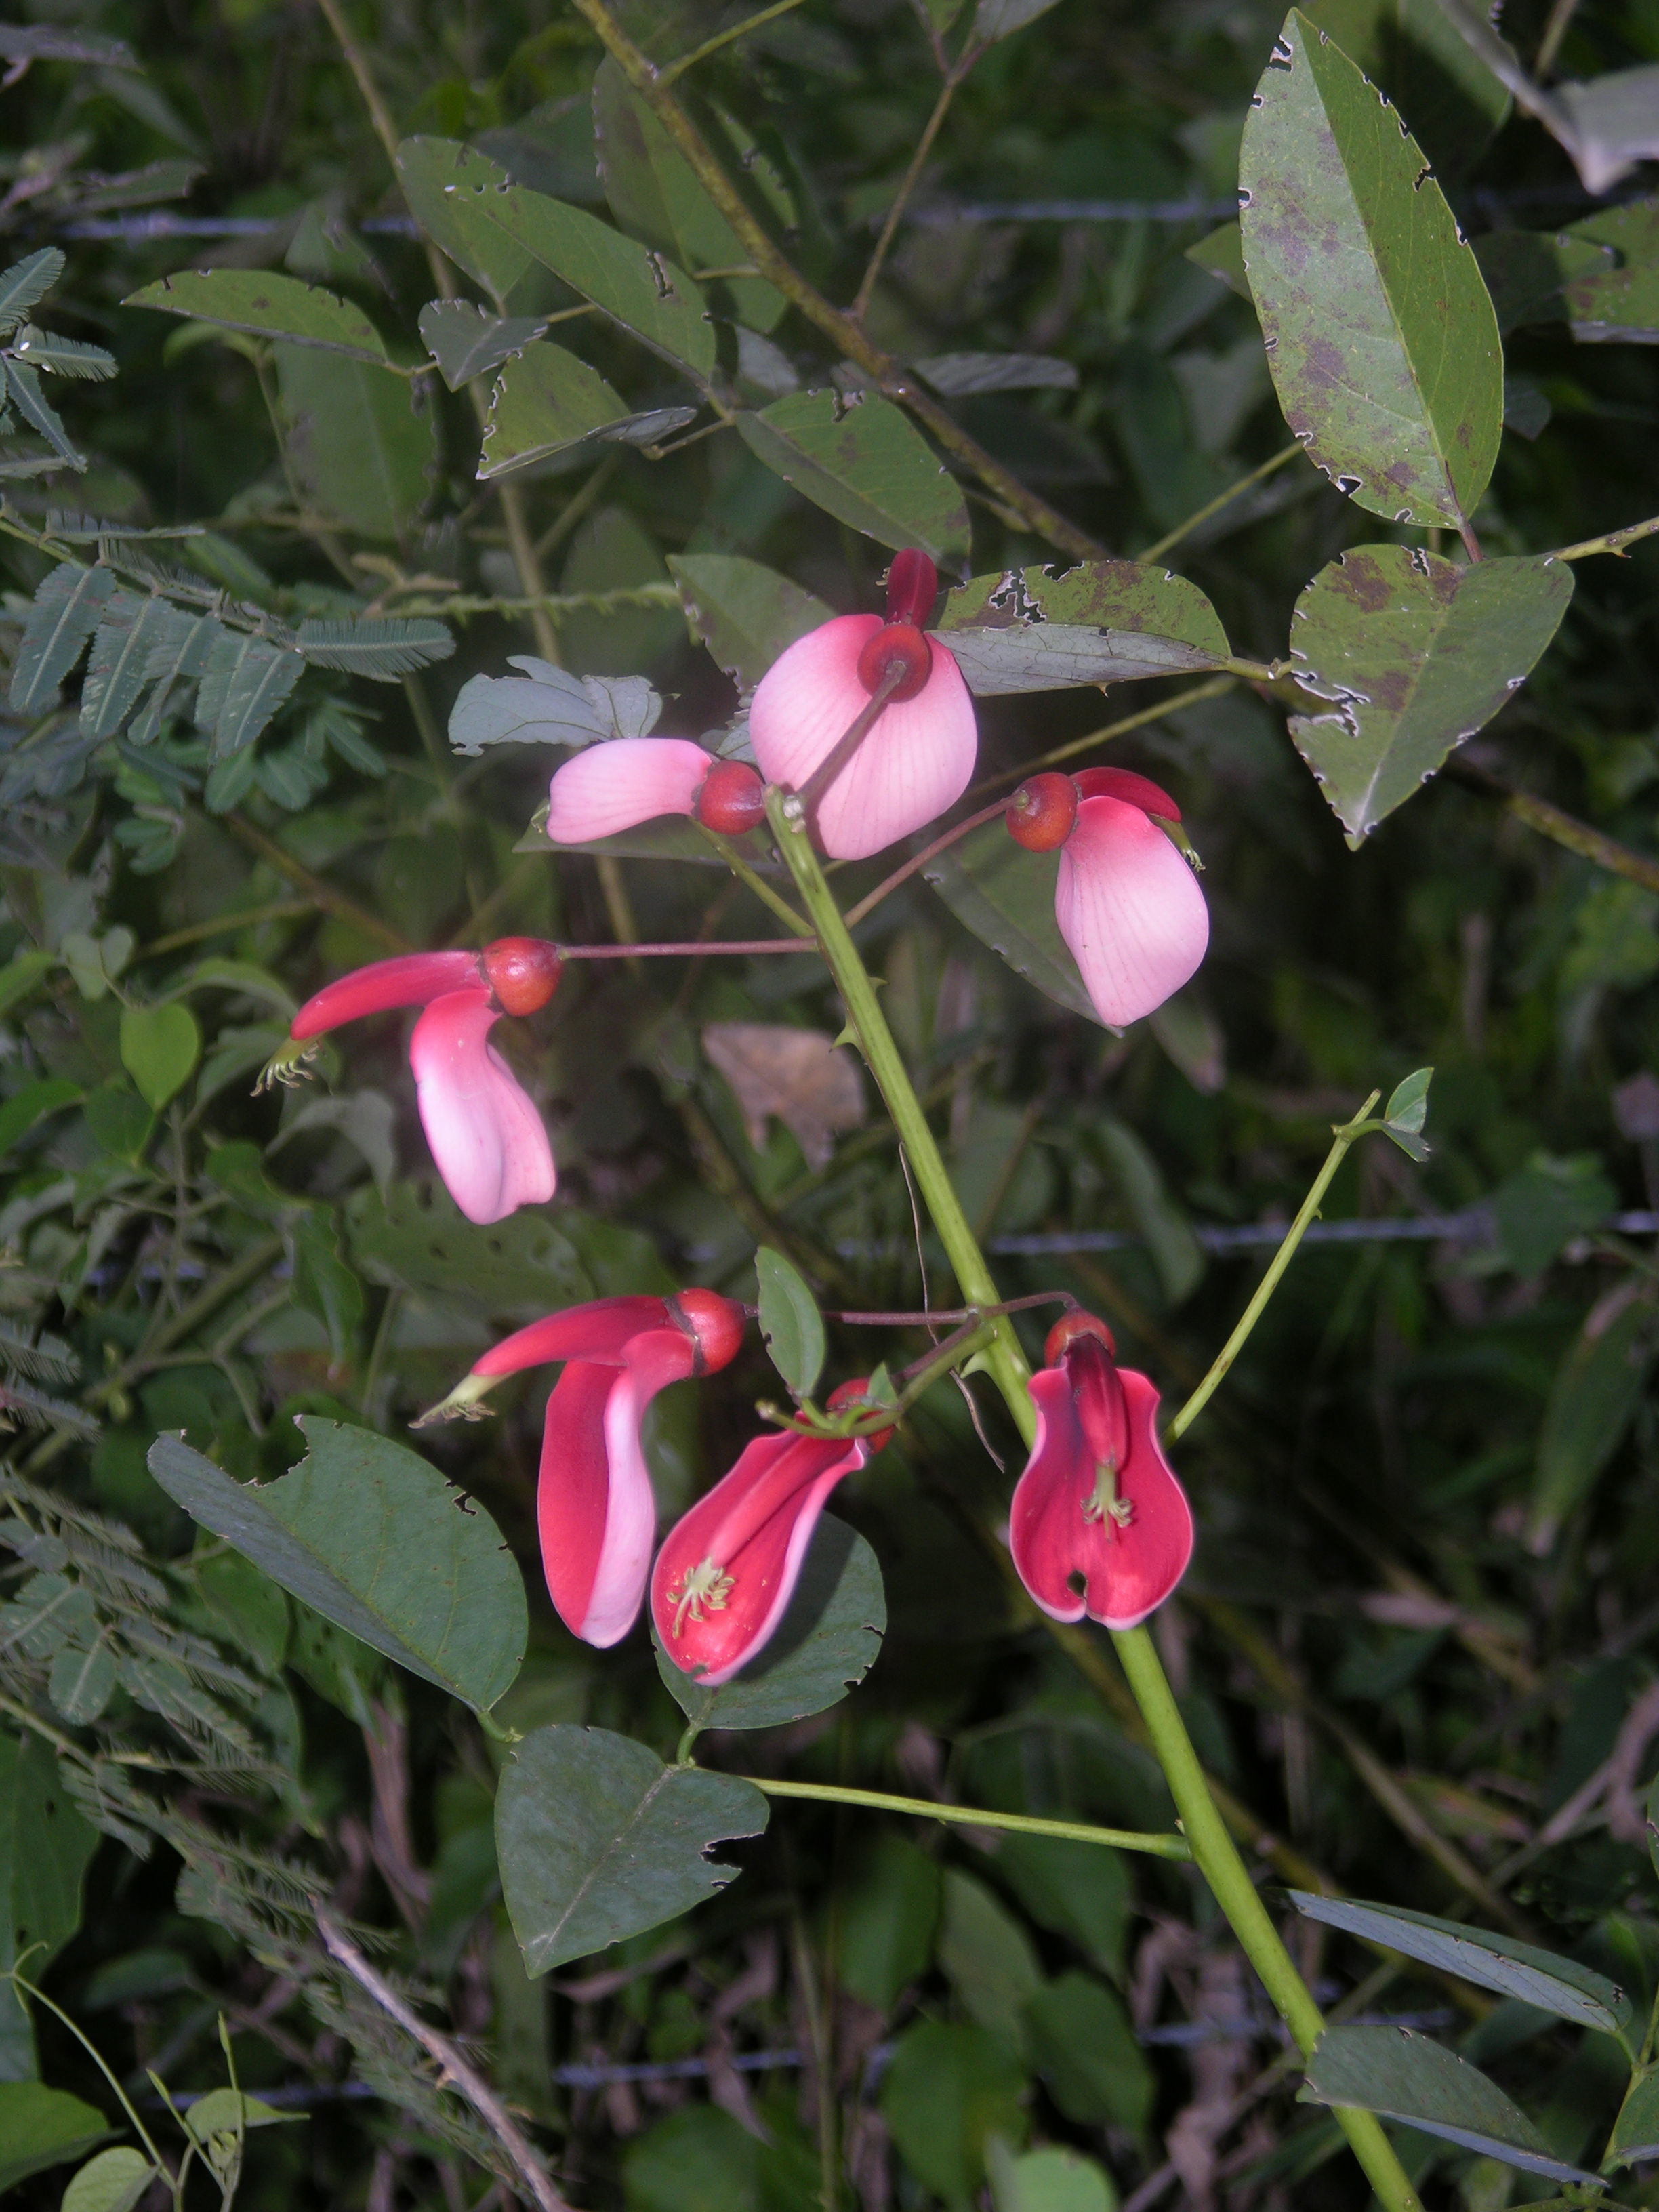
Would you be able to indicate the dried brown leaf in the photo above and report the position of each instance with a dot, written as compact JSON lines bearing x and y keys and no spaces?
{"x":798,"y":1076}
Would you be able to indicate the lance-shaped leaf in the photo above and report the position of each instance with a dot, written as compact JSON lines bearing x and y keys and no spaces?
{"x":547,"y":401}
{"x":745,"y":612}
{"x":245,"y":682}
{"x":27,"y":282}
{"x":382,"y":650}
{"x":790,"y":1323}
{"x":1041,"y":630}
{"x":1593,"y":1400}
{"x":828,"y":1639}
{"x":1636,"y":2131}
{"x":177,"y":660}
{"x":268,"y":305}
{"x":37,"y":412}
{"x":597,"y":1839}
{"x":68,"y":606}
{"x":959,"y":374}
{"x":132,"y":629}
{"x":860,"y":460}
{"x":1415,"y":653}
{"x":1406,"y":2077}
{"x":1381,"y":336}
{"x":1495,"y":1962}
{"x":466,"y":342}
{"x":641,"y":290}
{"x":1005,"y":895}
{"x":374,"y":1538}
{"x":1447,"y":95}
{"x":59,"y":356}
{"x":441,"y":180}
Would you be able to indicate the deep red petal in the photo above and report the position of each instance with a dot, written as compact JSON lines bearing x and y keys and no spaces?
{"x":415,"y":980}
{"x":1045,"y":1520}
{"x":598,"y":1330}
{"x":1142,"y":1564}
{"x":1134,"y":790}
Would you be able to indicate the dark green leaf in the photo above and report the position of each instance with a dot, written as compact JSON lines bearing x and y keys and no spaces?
{"x":441,"y":180}
{"x":1406,"y":2077}
{"x":598,"y":1839}
{"x":375,"y":1540}
{"x":112,"y":2182}
{"x":179,"y":657}
{"x":547,"y":401}
{"x":1083,"y":2046}
{"x":516,"y":1269}
{"x":958,"y":375}
{"x":946,"y":2092}
{"x":1447,"y":98}
{"x":1527,"y":273}
{"x":66,"y":611}
{"x":1495,"y":1962}
{"x":1034,"y":629}
{"x":1049,"y":2179}
{"x":862,"y":461}
{"x":1415,"y":653}
{"x":44,"y":1846}
{"x":323,"y":1284}
{"x":382,"y":650}
{"x":466,"y":342}
{"x":26,"y":282}
{"x":37,"y":412}
{"x":245,"y":681}
{"x":546,"y":705}
{"x":117,"y":1122}
{"x":270,"y":306}
{"x":745,"y":612}
{"x":42,"y":2127}
{"x":64,"y":356}
{"x":132,"y":631}
{"x":357,"y":450}
{"x":828,"y":1639}
{"x":160,"y":1048}
{"x":1636,"y":2131}
{"x":1592,"y":1400}
{"x":1006,"y":897}
{"x":22,"y":975}
{"x":1381,"y":335}
{"x":47,"y":1094}
{"x":81,"y":1683}
{"x":790,"y":1323}
{"x":1222,"y":253}
{"x":890,"y":1912}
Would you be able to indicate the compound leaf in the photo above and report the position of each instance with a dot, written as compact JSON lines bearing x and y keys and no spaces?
{"x":862,"y":461}
{"x":270,"y":306}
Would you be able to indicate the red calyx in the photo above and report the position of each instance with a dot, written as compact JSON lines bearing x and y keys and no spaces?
{"x":523,"y":972}
{"x":912,"y":587}
{"x":1133,"y":790}
{"x":1067,"y":1331}
{"x":851,"y":1394}
{"x":715,"y":1325}
{"x":1041,"y":811}
{"x":732,"y":799}
{"x":900,"y":645}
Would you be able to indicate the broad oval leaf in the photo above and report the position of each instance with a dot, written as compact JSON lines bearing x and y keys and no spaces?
{"x":466,"y":342}
{"x":1636,"y":2131}
{"x":862,"y":461}
{"x":441,"y":179}
{"x":597,"y":1839}
{"x":270,"y":306}
{"x":1415,"y":654}
{"x":548,"y":401}
{"x":1044,"y":629}
{"x":790,"y":1323}
{"x":828,"y":1639}
{"x":160,"y":1048}
{"x":42,"y":2127}
{"x":1005,"y":895}
{"x":357,"y":450}
{"x":1495,"y":1962}
{"x":641,"y":290}
{"x":375,"y":1540}
{"x":1405,"y":2076}
{"x":112,"y":2182}
{"x":745,"y":612}
{"x":1381,"y":335}
{"x":546,"y":705}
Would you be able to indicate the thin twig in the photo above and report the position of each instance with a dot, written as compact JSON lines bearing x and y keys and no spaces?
{"x":1561,"y":828}
{"x":1613,"y":541}
{"x":322,"y":892}
{"x":675,"y":70}
{"x":871,"y":899}
{"x":1223,"y":499}
{"x":1211,"y":690}
{"x":456,"y":2074}
{"x":908,"y":182}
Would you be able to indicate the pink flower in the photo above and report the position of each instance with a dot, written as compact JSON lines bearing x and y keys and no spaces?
{"x":617,"y":785}
{"x":486,"y":1136}
{"x":1097,"y":1505}
{"x":727,"y":1570}
{"x":595,"y":1511}
{"x":919,"y":756}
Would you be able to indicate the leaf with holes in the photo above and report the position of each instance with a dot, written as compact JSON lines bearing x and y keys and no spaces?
{"x":828,"y":1639}
{"x":1409,"y":48}
{"x":1381,"y":335}
{"x":268,"y":305}
{"x":862,"y":461}
{"x":790,"y":1323}
{"x":745,"y":612}
{"x":1042,"y":629}
{"x":1415,"y":653}
{"x":1006,"y":897}
{"x":68,"y":606}
{"x":597,"y":1840}
{"x":466,"y":342}
{"x":373,"y":1537}
{"x":441,"y":180}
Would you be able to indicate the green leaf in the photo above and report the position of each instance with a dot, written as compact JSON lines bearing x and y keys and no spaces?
{"x":26,"y":282}
{"x":174,"y":660}
{"x":1000,"y":19}
{"x":1084,"y":2047}
{"x":958,"y":375}
{"x":160,"y":1048}
{"x":23,"y":972}
{"x":1495,"y":1962}
{"x":1158,"y":1218}
{"x":375,"y":1540}
{"x":1404,"y":2077}
{"x":947,"y":2091}
{"x":231,"y":2111}
{"x":323,"y":1284}
{"x":545,"y":705}
{"x":467,"y":342}
{"x":67,"y":608}
{"x":81,"y":1683}
{"x":33,"y":406}
{"x":61,"y":356}
{"x":1222,"y":254}
{"x":1527,"y":273}
{"x":1602,"y":302}
{"x":548,"y":401}
{"x":986,"y":1956}
{"x":42,"y":2127}
{"x":598,"y":1839}
{"x":1596,"y":1390}
{"x":862,"y":461}
{"x":45,"y":1847}
{"x":1415,"y":653}
{"x":641,"y":290}
{"x":117,"y":1121}
{"x":744,"y":612}
{"x":1075,"y":1889}
{"x":1030,"y":629}
{"x":383,"y":650}
{"x":1006,"y":897}
{"x":1381,"y":335}
{"x":1052,"y":2180}
{"x":132,"y":631}
{"x":1447,"y":96}
{"x":1636,"y":2131}
{"x":441,"y":180}
{"x":357,"y":450}
{"x":112,"y":2182}
{"x":828,"y":1639}
{"x":270,"y":306}
{"x":1408,"y":1103}
{"x":47,"y":1094}
{"x":516,"y":1269}
{"x":244,"y":682}
{"x":890,"y":1912}
{"x":790,"y":1323}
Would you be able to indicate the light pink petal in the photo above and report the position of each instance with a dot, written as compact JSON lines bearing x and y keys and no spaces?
{"x":916,"y":762}
{"x":487,"y":1138}
{"x":1130,"y":909}
{"x":602,"y":1329}
{"x":414,"y":980}
{"x":618,"y":785}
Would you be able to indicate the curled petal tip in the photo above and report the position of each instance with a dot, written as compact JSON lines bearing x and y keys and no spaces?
{"x":486,"y":1136}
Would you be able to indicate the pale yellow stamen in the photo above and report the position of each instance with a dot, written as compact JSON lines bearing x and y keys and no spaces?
{"x":705,"y":1584}
{"x":1104,"y":1502}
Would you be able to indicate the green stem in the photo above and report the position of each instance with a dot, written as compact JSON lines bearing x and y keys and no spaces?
{"x":975,"y":1816}
{"x":1003,"y":1356}
{"x":726,"y":847}
{"x":1224,"y":1359}
{"x":1225,"y":498}
{"x":1234,"y":1893}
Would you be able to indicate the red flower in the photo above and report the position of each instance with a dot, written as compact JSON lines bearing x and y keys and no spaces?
{"x":595,"y":1511}
{"x":486,"y":1136}
{"x":1098,"y":1505}
{"x":727,"y":1570}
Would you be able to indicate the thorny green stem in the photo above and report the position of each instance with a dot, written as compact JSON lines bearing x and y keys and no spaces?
{"x":1613,"y":541}
{"x":974,"y":1816}
{"x":1345,"y":1137}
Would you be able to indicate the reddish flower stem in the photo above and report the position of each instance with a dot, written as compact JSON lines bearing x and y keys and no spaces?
{"x":953,"y":1313}
{"x":851,"y":738}
{"x":693,"y":950}
{"x":871,"y":899}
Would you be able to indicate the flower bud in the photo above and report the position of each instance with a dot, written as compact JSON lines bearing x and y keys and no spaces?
{"x":857,"y":1394}
{"x":912,"y":587}
{"x":1041,"y":811}
{"x":732,"y":799}
{"x":1066,"y":1332}
{"x":523,"y":972}
{"x":897,"y":644}
{"x":715,"y":1325}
